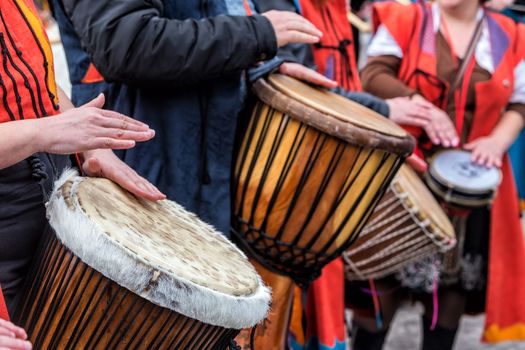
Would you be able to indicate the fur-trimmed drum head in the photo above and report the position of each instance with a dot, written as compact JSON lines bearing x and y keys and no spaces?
{"x":159,"y":251}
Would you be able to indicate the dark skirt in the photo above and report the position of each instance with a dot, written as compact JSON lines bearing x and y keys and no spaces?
{"x":470,"y":279}
{"x":24,"y":189}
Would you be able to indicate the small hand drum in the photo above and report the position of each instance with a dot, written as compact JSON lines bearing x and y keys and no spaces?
{"x":459,"y":182}
{"x":123,"y":273}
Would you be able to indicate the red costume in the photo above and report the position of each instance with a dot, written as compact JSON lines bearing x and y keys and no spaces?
{"x":28,"y":81}
{"x":505,"y":302}
{"x":334,"y":55}
{"x":335,"y":58}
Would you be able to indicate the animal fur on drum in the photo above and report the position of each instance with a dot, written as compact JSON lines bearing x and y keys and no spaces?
{"x":95,"y":248}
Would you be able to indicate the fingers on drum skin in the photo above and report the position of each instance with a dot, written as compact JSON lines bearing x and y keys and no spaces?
{"x":304,"y":73}
{"x":135,"y":183}
{"x":14,"y":343}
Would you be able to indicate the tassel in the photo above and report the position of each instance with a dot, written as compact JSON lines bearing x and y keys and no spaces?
{"x":435,"y":302}
{"x":377,"y":306}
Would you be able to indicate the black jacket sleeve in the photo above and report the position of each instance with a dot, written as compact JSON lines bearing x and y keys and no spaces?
{"x":130,"y":41}
{"x":294,"y":52}
{"x":374,"y":103}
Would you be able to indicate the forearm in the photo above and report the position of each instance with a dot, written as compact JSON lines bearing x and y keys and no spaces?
{"x":65,"y":102}
{"x":379,"y":78}
{"x":508,"y":129}
{"x":18,"y":140}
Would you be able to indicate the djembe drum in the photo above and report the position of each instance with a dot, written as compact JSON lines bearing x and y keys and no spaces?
{"x":310,"y":169}
{"x":461,"y":183}
{"x":407,"y":225}
{"x":309,"y":172}
{"x":122,"y":273}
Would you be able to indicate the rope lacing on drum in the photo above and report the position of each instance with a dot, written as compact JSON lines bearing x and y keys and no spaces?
{"x":38,"y":168}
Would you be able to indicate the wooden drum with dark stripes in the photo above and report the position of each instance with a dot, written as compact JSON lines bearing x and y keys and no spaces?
{"x":122,"y":273}
{"x":407,"y":225}
{"x":311,"y":168}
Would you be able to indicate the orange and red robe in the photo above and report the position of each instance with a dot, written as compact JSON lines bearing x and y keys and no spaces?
{"x":27,"y":81}
{"x":411,"y":28}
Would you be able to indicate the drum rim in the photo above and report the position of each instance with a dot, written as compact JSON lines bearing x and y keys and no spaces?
{"x":346,"y":131}
{"x":440,"y":179}
{"x":149,"y":282}
{"x":436,"y":229}
{"x":459,"y":198}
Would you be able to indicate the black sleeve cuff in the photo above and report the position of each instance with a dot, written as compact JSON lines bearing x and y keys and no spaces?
{"x":266,"y":39}
{"x":374,"y":103}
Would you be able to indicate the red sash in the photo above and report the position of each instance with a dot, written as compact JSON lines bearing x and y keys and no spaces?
{"x":3,"y":307}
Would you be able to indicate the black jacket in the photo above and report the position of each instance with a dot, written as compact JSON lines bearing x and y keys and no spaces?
{"x":178,"y":66}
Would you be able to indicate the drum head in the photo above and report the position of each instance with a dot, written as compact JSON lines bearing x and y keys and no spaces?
{"x":335,"y":105}
{"x":454,"y":169}
{"x":157,"y":250}
{"x":423,"y":200}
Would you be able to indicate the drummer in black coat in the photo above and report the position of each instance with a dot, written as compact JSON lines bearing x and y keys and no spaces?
{"x":178,"y":66}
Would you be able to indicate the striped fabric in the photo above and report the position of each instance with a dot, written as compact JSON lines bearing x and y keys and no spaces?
{"x":27,"y":81}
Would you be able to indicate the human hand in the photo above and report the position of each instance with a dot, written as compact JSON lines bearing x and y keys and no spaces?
{"x":290,"y":27}
{"x":441,"y":130}
{"x":405,"y":111}
{"x":306,"y":74}
{"x":89,"y":127}
{"x":13,"y":337}
{"x":486,"y":151}
{"x":104,"y":163}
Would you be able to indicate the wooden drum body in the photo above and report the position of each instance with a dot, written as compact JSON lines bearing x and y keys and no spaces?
{"x":309,"y":172}
{"x":407,"y":225}
{"x":123,"y":273}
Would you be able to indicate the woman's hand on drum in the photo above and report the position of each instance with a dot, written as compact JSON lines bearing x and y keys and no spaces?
{"x":441,"y":130}
{"x":306,"y":74}
{"x":104,"y":163}
{"x":486,"y":151}
{"x":89,"y":127}
{"x":406,"y":111}
{"x":13,"y":337}
{"x":290,"y":27}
